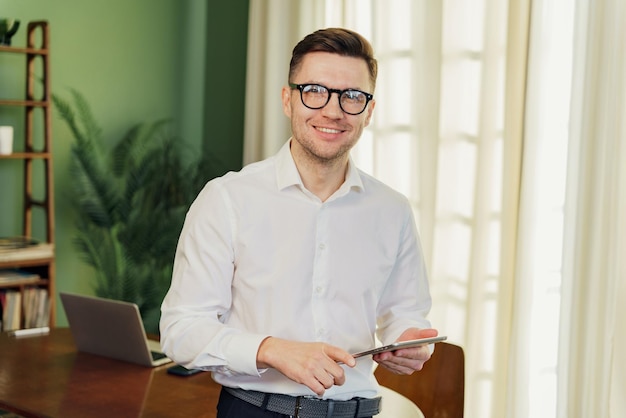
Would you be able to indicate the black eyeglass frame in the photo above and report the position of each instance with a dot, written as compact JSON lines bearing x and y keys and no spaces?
{"x":300,"y":87}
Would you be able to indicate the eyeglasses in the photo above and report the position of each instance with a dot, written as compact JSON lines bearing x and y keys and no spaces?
{"x":315,"y":96}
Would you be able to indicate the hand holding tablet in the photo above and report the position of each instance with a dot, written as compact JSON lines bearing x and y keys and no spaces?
{"x":400,"y":344}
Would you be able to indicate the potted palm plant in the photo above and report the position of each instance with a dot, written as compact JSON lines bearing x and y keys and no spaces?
{"x":130,"y":202}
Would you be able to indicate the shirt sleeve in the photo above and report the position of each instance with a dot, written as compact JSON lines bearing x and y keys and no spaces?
{"x":406,"y":301}
{"x":195,"y":309}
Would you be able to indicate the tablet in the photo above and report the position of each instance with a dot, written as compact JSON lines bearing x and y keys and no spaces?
{"x":401,"y":344}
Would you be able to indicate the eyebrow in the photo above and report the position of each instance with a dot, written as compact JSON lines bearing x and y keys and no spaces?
{"x":329,"y":87}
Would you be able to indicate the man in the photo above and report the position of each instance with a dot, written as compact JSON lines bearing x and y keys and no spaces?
{"x":286,"y":267}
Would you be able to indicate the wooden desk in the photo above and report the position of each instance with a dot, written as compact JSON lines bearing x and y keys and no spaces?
{"x":44,"y":376}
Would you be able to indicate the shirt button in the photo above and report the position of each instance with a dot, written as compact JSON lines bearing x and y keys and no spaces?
{"x":319,"y":290}
{"x":322,"y":246}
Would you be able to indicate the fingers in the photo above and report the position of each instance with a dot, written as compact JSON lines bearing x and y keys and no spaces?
{"x":402,"y":365}
{"x":327,"y":380}
{"x":319,"y":376}
{"x":409,"y":360}
{"x":337,"y":355}
{"x":337,"y":375}
{"x":330,"y":373}
{"x":418,"y":353}
{"x":311,"y":364}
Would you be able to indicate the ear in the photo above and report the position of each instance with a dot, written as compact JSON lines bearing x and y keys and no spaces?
{"x":370,"y":110}
{"x":286,"y":99}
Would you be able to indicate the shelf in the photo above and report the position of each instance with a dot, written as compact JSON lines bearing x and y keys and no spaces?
{"x":29,"y":51}
{"x":27,"y":103}
{"x":25,"y":282}
{"x":36,"y":144}
{"x":33,"y":262}
{"x":26,"y":156}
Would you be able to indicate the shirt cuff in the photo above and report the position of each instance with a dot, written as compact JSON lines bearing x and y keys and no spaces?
{"x":242,"y":352}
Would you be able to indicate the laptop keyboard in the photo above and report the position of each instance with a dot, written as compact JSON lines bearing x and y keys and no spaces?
{"x":157,"y":355}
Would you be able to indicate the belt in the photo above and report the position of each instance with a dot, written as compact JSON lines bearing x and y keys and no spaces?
{"x":308,"y":407}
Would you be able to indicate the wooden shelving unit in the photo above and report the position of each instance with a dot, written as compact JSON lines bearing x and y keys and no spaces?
{"x":42,"y":262}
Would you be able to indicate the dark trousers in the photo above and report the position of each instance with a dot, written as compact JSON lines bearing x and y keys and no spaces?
{"x":229,"y":406}
{"x":232,"y":407}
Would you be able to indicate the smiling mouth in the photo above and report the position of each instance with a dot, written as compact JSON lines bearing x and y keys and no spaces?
{"x":328,"y":130}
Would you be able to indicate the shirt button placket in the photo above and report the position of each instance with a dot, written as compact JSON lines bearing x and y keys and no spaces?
{"x":320,"y":277}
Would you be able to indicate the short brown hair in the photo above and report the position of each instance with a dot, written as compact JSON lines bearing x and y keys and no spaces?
{"x":337,"y":41}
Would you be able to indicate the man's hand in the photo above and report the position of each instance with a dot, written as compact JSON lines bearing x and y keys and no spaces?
{"x":407,"y":360}
{"x":312,"y":364}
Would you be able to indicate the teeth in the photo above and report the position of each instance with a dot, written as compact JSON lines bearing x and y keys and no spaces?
{"x":329,"y":131}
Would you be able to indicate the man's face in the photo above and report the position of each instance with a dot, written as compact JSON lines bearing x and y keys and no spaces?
{"x":328,"y":134}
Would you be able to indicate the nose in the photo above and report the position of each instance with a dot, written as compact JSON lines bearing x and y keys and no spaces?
{"x":333,"y":109}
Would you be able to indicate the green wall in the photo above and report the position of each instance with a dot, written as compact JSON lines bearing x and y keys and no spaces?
{"x":133,"y":61}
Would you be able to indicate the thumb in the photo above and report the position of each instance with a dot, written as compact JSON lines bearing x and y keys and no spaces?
{"x":417,"y":333}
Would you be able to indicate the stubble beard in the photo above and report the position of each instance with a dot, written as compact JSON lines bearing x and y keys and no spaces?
{"x":327,"y":159}
{"x":317,"y":155}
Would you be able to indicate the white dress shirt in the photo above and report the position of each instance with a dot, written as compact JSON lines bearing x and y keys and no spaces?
{"x":259,"y":255}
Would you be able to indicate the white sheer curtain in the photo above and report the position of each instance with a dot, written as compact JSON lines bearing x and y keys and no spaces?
{"x":539,"y":243}
{"x":480,"y":147}
{"x":571,"y":247}
{"x":592,"y":382}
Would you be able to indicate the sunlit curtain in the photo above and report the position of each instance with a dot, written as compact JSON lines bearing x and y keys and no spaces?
{"x":571,"y":270}
{"x":593,"y":377}
{"x":538,"y":247}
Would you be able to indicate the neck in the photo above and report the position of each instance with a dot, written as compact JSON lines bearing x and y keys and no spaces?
{"x":321,"y":177}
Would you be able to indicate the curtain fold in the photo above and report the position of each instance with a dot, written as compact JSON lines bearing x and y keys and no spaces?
{"x":513,"y":400}
{"x":594,"y":255}
{"x":538,"y":278}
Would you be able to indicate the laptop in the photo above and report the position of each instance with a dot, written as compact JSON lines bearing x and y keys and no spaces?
{"x":110,"y":328}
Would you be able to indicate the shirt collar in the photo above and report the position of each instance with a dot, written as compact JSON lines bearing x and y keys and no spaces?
{"x":287,"y":173}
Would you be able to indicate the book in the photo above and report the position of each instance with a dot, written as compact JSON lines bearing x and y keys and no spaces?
{"x":36,"y":306}
{"x":17,"y":276}
{"x":32,"y":252}
{"x":43,"y":311}
{"x":12,"y":309}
